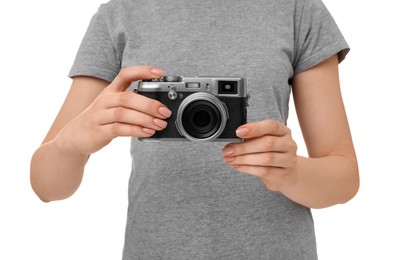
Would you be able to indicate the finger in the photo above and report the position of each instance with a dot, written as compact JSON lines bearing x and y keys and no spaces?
{"x":280,"y":160}
{"x":128,"y":75}
{"x":136,"y":102}
{"x":261,"y":128}
{"x":132,"y":117}
{"x":257,"y":145}
{"x":121,"y":129}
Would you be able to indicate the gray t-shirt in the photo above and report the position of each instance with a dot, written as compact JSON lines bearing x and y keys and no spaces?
{"x":185,"y":202}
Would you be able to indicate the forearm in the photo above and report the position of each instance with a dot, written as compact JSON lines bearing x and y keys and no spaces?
{"x":323,"y":182}
{"x":56,"y":173}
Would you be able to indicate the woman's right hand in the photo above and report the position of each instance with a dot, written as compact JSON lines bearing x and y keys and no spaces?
{"x":116,"y":112}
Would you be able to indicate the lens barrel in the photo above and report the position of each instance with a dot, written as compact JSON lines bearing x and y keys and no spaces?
{"x":201,"y":117}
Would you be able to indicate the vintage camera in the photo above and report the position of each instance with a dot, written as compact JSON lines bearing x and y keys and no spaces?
{"x":203,"y":108}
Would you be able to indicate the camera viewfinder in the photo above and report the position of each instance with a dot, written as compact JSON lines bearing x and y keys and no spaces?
{"x":192,"y":85}
{"x":227,"y":87}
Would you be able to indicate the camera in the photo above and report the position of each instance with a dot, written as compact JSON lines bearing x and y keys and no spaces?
{"x":203,"y":108}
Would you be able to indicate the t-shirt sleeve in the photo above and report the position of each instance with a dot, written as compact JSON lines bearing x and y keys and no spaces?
{"x":96,"y":55}
{"x":317,"y":36}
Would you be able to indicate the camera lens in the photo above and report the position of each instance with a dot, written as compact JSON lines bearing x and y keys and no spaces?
{"x":201,"y":119}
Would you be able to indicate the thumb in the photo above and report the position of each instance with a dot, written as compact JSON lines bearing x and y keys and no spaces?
{"x":128,"y":75}
{"x":262,"y":128}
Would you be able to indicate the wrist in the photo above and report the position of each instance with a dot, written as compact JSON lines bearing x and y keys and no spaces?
{"x":290,"y":182}
{"x":64,"y":144}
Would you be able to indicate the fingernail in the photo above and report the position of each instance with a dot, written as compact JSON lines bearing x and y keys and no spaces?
{"x":148,"y":131}
{"x":160,"y":123}
{"x":228,"y":150}
{"x":242,"y":132}
{"x":164,"y":111}
{"x":157,"y":72}
{"x":229,"y":159}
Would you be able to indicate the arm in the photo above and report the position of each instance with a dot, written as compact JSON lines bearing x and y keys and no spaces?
{"x":56,"y":173}
{"x":93,"y":114}
{"x":330,"y":175}
{"x":332,"y":169}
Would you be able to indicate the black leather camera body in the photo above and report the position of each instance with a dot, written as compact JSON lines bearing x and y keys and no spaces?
{"x":203,"y":108}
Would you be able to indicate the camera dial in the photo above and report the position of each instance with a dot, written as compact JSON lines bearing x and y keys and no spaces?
{"x":171,"y":78}
{"x":172,"y":94}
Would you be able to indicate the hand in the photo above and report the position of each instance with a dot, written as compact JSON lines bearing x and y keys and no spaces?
{"x":268,"y":152}
{"x":116,"y":112}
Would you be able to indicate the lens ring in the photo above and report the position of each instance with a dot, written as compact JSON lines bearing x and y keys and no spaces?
{"x":201,"y":119}
{"x":205,"y":103}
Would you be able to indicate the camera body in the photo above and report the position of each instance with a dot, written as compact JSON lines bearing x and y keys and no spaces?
{"x":203,"y":108}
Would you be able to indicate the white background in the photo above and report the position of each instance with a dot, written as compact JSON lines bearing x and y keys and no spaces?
{"x":39,"y":40}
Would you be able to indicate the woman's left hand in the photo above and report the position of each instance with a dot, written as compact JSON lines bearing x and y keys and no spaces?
{"x":269,"y":152}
